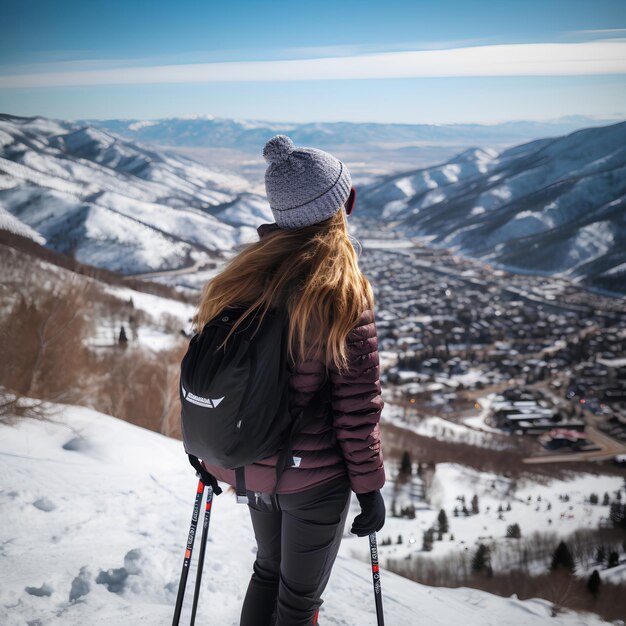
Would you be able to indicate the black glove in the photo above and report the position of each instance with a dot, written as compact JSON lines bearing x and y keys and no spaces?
{"x":372,"y":516}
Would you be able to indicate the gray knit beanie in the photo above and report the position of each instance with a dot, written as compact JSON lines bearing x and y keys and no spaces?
{"x":303,"y":185}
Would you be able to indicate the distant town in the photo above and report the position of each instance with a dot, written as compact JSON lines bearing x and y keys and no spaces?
{"x":529,"y":355}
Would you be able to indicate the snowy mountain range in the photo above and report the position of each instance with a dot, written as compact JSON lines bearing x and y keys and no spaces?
{"x":553,"y":206}
{"x":212,"y":131}
{"x":95,"y":518}
{"x":114,"y":204}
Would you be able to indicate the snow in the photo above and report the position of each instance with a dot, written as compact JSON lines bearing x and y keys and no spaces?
{"x":194,"y":116}
{"x":119,"y":205}
{"x":393,"y":208}
{"x":157,"y":334}
{"x":614,"y":575}
{"x":13,"y":225}
{"x":29,"y":175}
{"x":454,"y":480}
{"x":590,"y":242}
{"x":495,"y":197}
{"x":618,"y":269}
{"x":557,"y":197}
{"x":86,"y":137}
{"x":477,"y":422}
{"x":142,"y":124}
{"x":199,"y":227}
{"x":437,"y":427}
{"x":528,"y":499}
{"x":110,"y":241}
{"x":247,"y":211}
{"x":156,"y":306}
{"x":523,"y":224}
{"x":97,"y":510}
{"x":451,"y":172}
{"x":384,"y":244}
{"x":5,"y":139}
{"x":405,"y":186}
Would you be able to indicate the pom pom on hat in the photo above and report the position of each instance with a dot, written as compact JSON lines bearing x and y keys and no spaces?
{"x":278,"y":148}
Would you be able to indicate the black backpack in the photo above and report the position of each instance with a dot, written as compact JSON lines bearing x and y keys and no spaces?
{"x":235,"y":399}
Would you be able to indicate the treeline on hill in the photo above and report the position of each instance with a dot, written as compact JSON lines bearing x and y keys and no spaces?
{"x":571,"y":567}
{"x":509,"y":463}
{"x":573,"y":571}
{"x":49,"y":315}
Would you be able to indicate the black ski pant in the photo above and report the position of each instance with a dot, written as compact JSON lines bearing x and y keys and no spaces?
{"x":298,"y":536}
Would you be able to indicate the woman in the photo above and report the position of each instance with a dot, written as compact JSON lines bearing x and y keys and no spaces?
{"x":305,"y":261}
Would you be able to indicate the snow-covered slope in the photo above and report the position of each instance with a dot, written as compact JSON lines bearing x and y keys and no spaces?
{"x":95,"y":514}
{"x":551,"y":205}
{"x":13,"y":225}
{"x":114,"y":204}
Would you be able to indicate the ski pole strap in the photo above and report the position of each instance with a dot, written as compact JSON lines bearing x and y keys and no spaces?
{"x":204,"y":476}
{"x":240,"y":481}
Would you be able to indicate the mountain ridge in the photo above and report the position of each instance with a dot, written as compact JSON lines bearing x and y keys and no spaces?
{"x":114,"y":204}
{"x":546,"y":194}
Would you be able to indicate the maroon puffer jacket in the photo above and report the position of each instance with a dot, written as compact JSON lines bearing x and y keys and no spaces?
{"x":342,"y":436}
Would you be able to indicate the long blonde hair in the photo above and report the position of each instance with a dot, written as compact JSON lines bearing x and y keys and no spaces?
{"x":313,"y":271}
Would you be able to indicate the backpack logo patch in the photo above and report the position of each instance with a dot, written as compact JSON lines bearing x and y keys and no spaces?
{"x":200,"y":401}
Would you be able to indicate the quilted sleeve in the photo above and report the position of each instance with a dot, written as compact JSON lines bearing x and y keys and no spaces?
{"x":357,"y":405}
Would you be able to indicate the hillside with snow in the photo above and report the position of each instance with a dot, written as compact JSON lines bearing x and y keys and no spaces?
{"x":95,"y":518}
{"x":553,"y":206}
{"x":114,"y":204}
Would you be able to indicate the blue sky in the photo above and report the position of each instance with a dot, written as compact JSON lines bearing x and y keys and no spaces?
{"x":391,"y":61}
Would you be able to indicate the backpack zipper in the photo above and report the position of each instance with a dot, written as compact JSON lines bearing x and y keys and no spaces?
{"x":247,"y":391}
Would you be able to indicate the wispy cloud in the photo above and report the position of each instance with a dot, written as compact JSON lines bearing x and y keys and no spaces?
{"x":600,"y":30}
{"x":343,"y":50}
{"x":529,"y":59}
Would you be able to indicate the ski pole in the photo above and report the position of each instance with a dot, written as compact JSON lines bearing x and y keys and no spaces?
{"x":205,"y":532}
{"x":378,"y":598}
{"x":188,"y":551}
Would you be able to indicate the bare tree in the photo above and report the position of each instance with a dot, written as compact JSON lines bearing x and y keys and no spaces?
{"x":43,"y":350}
{"x":559,"y":590}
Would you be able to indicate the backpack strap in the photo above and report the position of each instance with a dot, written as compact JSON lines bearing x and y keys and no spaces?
{"x":285,"y":458}
{"x":240,"y":481}
{"x":287,"y":452}
{"x":281,"y":464}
